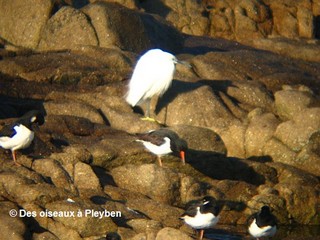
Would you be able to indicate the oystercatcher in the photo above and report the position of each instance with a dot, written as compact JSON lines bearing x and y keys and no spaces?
{"x":19,"y":135}
{"x":262,"y":224}
{"x":162,"y":142}
{"x":201,"y":214}
{"x":151,"y":76}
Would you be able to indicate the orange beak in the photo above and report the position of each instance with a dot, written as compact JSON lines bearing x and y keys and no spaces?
{"x":182,"y":156}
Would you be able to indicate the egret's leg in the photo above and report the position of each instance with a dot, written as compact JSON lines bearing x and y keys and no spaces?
{"x":147,"y":113}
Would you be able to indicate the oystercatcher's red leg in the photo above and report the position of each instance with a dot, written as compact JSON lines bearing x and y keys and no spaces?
{"x":182,"y":156}
{"x":15,"y":158}
{"x":201,"y":234}
{"x":159,"y":160}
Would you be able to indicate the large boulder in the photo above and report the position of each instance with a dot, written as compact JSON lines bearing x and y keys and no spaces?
{"x":260,"y":129}
{"x":22,"y":22}
{"x":86,"y":224}
{"x":290,"y":102}
{"x":168,"y":216}
{"x":189,"y":17}
{"x":11,"y":225}
{"x":158,"y":183}
{"x":303,"y":49}
{"x":291,"y":19}
{"x":52,"y":169}
{"x":67,"y":28}
{"x":172,"y":233}
{"x":110,"y":21}
{"x":84,"y":66}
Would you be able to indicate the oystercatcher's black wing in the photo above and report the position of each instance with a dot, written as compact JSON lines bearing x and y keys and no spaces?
{"x":191,"y":208}
{"x":8,"y":130}
{"x":151,"y":137}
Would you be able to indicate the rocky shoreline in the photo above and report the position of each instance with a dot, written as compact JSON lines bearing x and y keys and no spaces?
{"x":249,"y":110}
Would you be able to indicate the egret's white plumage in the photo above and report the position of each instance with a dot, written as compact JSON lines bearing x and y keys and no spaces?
{"x":151,"y":76}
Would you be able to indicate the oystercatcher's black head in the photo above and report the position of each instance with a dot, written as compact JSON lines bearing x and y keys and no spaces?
{"x":208,"y":200}
{"x":265,"y":210}
{"x":201,"y":214}
{"x":31,"y":117}
{"x":262,"y":223}
{"x":206,"y":204}
{"x":113,"y":236}
{"x":265,"y":217}
{"x":177,"y":144}
{"x":209,"y":204}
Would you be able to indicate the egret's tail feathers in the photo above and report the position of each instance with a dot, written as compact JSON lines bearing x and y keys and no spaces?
{"x":130,"y":100}
{"x":133,"y":98}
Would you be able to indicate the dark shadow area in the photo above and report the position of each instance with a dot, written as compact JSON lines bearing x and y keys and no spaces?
{"x":39,"y":149}
{"x":198,"y":45}
{"x":80,"y":3}
{"x":104,"y":177}
{"x":12,"y":107}
{"x":138,"y":110}
{"x":317,"y":27}
{"x":218,"y":85}
{"x":104,"y":117}
{"x":155,"y":7}
{"x":99,"y":200}
{"x":177,"y":87}
{"x":260,"y":159}
{"x":213,"y":233}
{"x":113,"y":236}
{"x":221,"y":86}
{"x":32,"y":226}
{"x":59,"y":141}
{"x":161,"y":34}
{"x":218,"y":166}
{"x":75,"y":3}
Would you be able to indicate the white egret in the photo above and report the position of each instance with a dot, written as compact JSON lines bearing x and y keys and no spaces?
{"x":151,"y":76}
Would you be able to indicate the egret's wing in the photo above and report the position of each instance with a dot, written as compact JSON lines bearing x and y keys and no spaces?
{"x":141,"y":82}
{"x":151,"y":76}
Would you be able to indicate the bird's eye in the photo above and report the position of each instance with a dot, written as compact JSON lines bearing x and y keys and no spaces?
{"x":33,"y":119}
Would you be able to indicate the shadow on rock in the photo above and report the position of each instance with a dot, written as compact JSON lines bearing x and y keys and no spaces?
{"x":177,"y":88}
{"x":15,"y":107}
{"x":220,"y":167}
